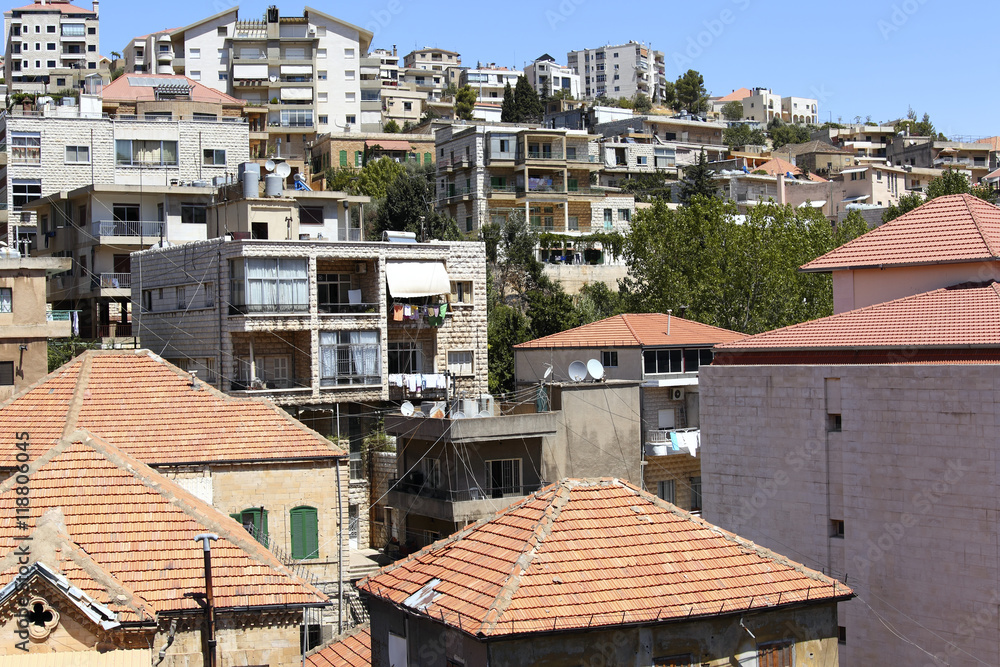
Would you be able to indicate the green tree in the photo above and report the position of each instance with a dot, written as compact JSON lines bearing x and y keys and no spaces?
{"x":508,"y":112}
{"x":597,"y":301}
{"x":669,"y":98}
{"x":624,"y":103}
{"x":950,"y":182}
{"x":646,"y":187}
{"x":743,"y":135}
{"x":919,"y":128}
{"x":408,"y":207}
{"x":697,"y":181}
{"x":392,"y":127}
{"x":732,"y":110}
{"x":506,"y":326}
{"x":905,"y":204}
{"x":375,"y":177}
{"x":115,"y":73}
{"x":528,"y":107}
{"x":691,"y":92}
{"x":783,"y":134}
{"x":465,"y":102}
{"x":65,"y":350}
{"x":342,"y":180}
{"x":550,"y":309}
{"x":642,"y":103}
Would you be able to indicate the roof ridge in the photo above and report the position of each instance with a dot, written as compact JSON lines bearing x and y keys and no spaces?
{"x":543,"y":528}
{"x":79,"y":392}
{"x":967,"y":199}
{"x":628,"y":325}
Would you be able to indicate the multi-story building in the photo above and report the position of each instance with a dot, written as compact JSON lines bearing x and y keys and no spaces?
{"x":761,"y":105}
{"x":403,"y":105}
{"x":302,"y":72}
{"x":869,"y":143}
{"x":25,"y":323}
{"x":619,"y":71}
{"x":489,"y":81}
{"x":735,"y":96}
{"x":817,"y":157}
{"x":379,"y":71}
{"x":353,"y":151}
{"x":431,"y":71}
{"x":50,"y":45}
{"x":799,"y":110}
{"x":858,"y":441}
{"x":485,"y":171}
{"x":927,"y":153}
{"x":548,"y":78}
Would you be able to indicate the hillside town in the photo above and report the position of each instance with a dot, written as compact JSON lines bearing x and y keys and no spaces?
{"x":318,"y":353}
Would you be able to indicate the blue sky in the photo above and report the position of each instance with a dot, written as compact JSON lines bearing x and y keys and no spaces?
{"x":858,"y":58}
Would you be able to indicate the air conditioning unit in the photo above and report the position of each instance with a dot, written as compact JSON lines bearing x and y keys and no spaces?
{"x":677,"y":394}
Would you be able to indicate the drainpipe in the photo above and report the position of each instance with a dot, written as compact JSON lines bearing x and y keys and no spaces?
{"x":340,"y":542}
{"x":208,"y":640}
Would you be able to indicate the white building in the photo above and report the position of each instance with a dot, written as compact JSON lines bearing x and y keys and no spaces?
{"x":548,"y":77}
{"x":619,"y":71}
{"x":763,"y":106}
{"x":50,"y":45}
{"x":430,"y":71}
{"x":799,"y":110}
{"x":489,"y":81}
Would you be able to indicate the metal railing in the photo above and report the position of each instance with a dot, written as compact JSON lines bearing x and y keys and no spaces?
{"x":297,"y":567}
{"x":348,"y":308}
{"x":152,"y":229}
{"x":268,"y":308}
{"x":555,"y":154}
{"x":113,"y":280}
{"x":114,"y":330}
{"x":270,"y":384}
{"x":461,"y":495}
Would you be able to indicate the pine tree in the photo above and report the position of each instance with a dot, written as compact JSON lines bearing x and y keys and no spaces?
{"x":508,"y":110}
{"x":527,"y":105}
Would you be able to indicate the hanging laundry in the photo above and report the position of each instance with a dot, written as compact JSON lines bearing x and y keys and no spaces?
{"x":407,"y":312}
{"x":397,"y":313}
{"x":674,"y":441}
{"x":443,"y":310}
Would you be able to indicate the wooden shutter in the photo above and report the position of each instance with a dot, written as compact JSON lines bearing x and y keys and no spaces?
{"x":305,"y":533}
{"x":427,"y":158}
{"x":775,"y":655}
{"x":343,"y":158}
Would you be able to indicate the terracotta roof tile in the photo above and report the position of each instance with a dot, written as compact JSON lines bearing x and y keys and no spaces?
{"x":591,"y":553}
{"x":61,"y":7}
{"x":133,"y":530}
{"x":122,"y":89}
{"x":953,"y":228}
{"x":354,"y":650}
{"x":635,"y":330}
{"x":736,"y":96}
{"x":966,"y":315}
{"x":148,"y":408}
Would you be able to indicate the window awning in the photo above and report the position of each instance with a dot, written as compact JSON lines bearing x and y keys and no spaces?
{"x":820,"y":203}
{"x":296,"y":93}
{"x":256,"y":71}
{"x":851,"y":200}
{"x":412,"y":279}
{"x":296,"y":69}
{"x":389,"y":144}
{"x":856,"y":170}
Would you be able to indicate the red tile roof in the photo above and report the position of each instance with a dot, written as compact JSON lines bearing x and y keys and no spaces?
{"x":966,"y":315}
{"x":355,"y":650}
{"x":52,"y":6}
{"x":132,"y":532}
{"x":953,"y":228}
{"x":737,"y":95}
{"x":124,"y":89}
{"x":635,"y":330}
{"x":148,"y":408}
{"x":583,"y":554}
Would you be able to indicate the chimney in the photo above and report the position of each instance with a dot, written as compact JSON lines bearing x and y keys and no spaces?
{"x":96,"y":6}
{"x":393,"y":49}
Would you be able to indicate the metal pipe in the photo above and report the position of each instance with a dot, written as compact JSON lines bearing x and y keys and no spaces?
{"x":208,"y":638}
{"x":340,"y":541}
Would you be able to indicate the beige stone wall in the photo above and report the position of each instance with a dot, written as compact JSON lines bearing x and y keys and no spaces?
{"x":242,"y":640}
{"x":907,"y":474}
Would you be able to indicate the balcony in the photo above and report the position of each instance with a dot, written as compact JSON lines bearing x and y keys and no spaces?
{"x":114,"y":330}
{"x":660,"y":443}
{"x":140,"y":228}
{"x":112,"y":281}
{"x":268,"y":308}
{"x":350,"y":309}
{"x":544,"y":155}
{"x":271,"y":385}
{"x":455,"y":505}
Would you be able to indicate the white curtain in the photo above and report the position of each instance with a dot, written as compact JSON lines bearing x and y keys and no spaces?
{"x":262,"y":282}
{"x":293,"y":283}
{"x":365,"y":353}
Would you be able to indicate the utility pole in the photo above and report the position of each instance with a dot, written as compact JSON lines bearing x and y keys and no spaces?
{"x":208,"y":634}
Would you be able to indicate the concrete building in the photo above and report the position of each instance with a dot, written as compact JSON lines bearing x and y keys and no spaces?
{"x":379,"y":71}
{"x":489,"y":81}
{"x":619,"y":71}
{"x":823,"y":438}
{"x":548,"y":78}
{"x":598,"y":571}
{"x":430,"y":71}
{"x":869,"y":143}
{"x":353,"y":151}
{"x":931,"y":154}
{"x":817,"y":157}
{"x":735,"y":96}
{"x":485,"y":171}
{"x":761,"y":105}
{"x":675,"y":142}
{"x":25,"y":322}
{"x":660,"y":356}
{"x":50,"y":45}
{"x":403,"y":105}
{"x":800,"y":110}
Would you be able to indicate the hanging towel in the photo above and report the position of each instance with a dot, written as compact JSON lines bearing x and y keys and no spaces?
{"x":407,"y":312}
{"x":674,"y":441}
{"x":411,"y":383}
{"x":691,"y":442}
{"x":432,"y":311}
{"x":443,"y":310}
{"x":397,"y":313}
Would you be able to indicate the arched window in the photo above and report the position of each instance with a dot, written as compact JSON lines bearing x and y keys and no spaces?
{"x":254,"y":519}
{"x":305,"y":532}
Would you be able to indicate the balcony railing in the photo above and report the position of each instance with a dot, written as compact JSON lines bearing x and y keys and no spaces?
{"x":348,"y":308}
{"x":114,"y":330}
{"x":113,"y":280}
{"x":270,"y":384}
{"x":148,"y":228}
{"x":268,"y":308}
{"x":460,"y":495}
{"x":555,"y":154}
{"x":59,"y":315}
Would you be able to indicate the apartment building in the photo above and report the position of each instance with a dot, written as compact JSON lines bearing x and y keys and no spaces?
{"x":763,"y":106}
{"x":869,"y":143}
{"x":486,"y":171}
{"x":431,"y":71}
{"x":857,"y":441}
{"x":735,"y":96}
{"x":353,"y":151}
{"x":302,"y":72}
{"x":50,"y":45}
{"x":799,"y":110}
{"x":817,"y":157}
{"x":928,"y":153}
{"x":25,"y":322}
{"x":489,"y":81}
{"x":548,"y":78}
{"x":403,"y":105}
{"x":379,"y":71}
{"x":619,"y":71}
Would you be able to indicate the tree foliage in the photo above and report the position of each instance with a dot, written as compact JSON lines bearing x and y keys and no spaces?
{"x":669,"y":98}
{"x":732,"y":110}
{"x":646,"y":187}
{"x":641,"y":103}
{"x":783,"y":133}
{"x":465,"y":102}
{"x":704,"y":263}
{"x":66,"y":349}
{"x":919,"y":128}
{"x":391,"y":127}
{"x":905,"y":204}
{"x":743,"y":135}
{"x":528,"y":106}
{"x":408,"y":206}
{"x":691,"y":92}
{"x":508,"y":113}
{"x":697,"y":181}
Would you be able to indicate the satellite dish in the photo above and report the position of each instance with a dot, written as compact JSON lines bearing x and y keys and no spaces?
{"x":596,"y":369}
{"x":283,"y":170}
{"x":299,"y":178}
{"x":458,"y":415}
{"x":548,"y":371}
{"x":577,"y":371}
{"x":484,"y":413}
{"x":406,"y":409}
{"x":269,"y":165}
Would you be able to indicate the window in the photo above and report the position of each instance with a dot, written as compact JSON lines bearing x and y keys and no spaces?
{"x":666,"y":490}
{"x":405,"y":358}
{"x":310,"y":215}
{"x":215,"y":157}
{"x":608,"y":218}
{"x":834,"y":423}
{"x":461,"y":291}
{"x":841,"y":634}
{"x":268,"y":372}
{"x":349,"y":357}
{"x":343,"y":158}
{"x":609,"y":358}
{"x":324,"y":120}
{"x":348,"y":54}
{"x":270,"y":285}
{"x":91,"y":31}
{"x":776,"y":654}
{"x":181,"y":298}
{"x":195,"y":74}
{"x":407,"y":106}
{"x":91,"y":48}
{"x":26,"y":190}
{"x":6,"y":372}
{"x":837,"y":528}
{"x":254,"y":520}
{"x":194,"y":54}
{"x":194,"y":214}
{"x":26,"y":147}
{"x":358,"y":158}
{"x":350,"y":120}
{"x":50,"y":29}
{"x":349,"y":75}
{"x":321,"y":75}
{"x":504,"y":477}
{"x":50,"y":46}
{"x":696,"y":495}
{"x":321,"y":53}
{"x":333,"y":291}
{"x":460,"y":362}
{"x":349,"y":96}
{"x":221,"y":31}
{"x":323,"y":97}
{"x":6,"y":300}
{"x":662,"y":361}
{"x":135,"y":152}
{"x":304,"y":532}
{"x":223,"y":76}
{"x":625,"y":214}
{"x":78,"y":154}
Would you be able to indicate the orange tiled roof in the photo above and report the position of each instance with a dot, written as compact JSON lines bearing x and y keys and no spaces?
{"x":953,"y":228}
{"x":966,"y":315}
{"x":131,"y":524}
{"x":355,"y":650}
{"x":776,"y":166}
{"x":736,"y":95}
{"x":588,"y":553}
{"x":122,"y":89}
{"x":148,"y":408}
{"x":635,"y":330}
{"x":62,"y":7}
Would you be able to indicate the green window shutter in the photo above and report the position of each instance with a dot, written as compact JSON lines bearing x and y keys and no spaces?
{"x":256,"y":517}
{"x":574,"y":184}
{"x":343,"y":158}
{"x":305,"y":533}
{"x":238,"y":518}
{"x":427,"y":158}
{"x":357,"y":158}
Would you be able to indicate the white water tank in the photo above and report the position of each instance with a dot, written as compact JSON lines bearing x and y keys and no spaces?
{"x":273,"y":185}
{"x":249,"y":174}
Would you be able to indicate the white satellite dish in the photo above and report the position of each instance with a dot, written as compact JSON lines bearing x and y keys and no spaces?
{"x":577,"y":371}
{"x":406,"y":409}
{"x":458,"y":415}
{"x":283,"y":170}
{"x":548,"y":371}
{"x":485,"y":413}
{"x":596,"y":369}
{"x":299,"y":178}
{"x":269,"y":165}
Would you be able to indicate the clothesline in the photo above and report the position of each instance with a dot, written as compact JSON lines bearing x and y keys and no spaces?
{"x":418,"y":382}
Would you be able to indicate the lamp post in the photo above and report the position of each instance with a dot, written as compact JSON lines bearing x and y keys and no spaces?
{"x":208,"y":637}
